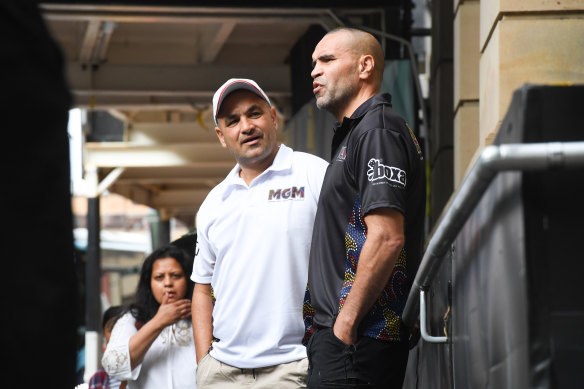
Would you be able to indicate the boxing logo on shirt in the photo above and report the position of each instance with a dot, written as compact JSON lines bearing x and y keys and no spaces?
{"x":378,"y":171}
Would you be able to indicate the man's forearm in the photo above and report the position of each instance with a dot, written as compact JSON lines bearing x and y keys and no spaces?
{"x":202,"y":316}
{"x":374,"y":269}
{"x":378,"y":256}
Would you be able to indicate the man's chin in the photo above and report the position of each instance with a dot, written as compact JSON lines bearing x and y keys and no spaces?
{"x":322,"y":103}
{"x":254,"y":156}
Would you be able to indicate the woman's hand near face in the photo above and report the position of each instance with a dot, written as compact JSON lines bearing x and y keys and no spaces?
{"x":170,"y":312}
{"x":168,"y":284}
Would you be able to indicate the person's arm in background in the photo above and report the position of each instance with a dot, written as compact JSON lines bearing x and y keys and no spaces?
{"x":168,"y":313}
{"x":202,"y":316}
{"x":385,"y":240}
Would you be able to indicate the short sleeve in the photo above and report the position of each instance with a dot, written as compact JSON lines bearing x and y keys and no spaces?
{"x":204,"y":262}
{"x":116,"y":358}
{"x":380,"y":170}
{"x":316,"y":172}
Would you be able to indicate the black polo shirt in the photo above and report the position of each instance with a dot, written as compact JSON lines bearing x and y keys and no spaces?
{"x":376,"y":162}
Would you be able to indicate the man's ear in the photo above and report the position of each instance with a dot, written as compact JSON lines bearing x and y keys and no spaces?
{"x":220,"y":136}
{"x":366,"y":65}
{"x":274,"y":116}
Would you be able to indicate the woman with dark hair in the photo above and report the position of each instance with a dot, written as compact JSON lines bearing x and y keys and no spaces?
{"x":152,"y":344}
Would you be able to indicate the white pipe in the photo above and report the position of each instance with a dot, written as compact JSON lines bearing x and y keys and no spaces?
{"x":423,"y":325}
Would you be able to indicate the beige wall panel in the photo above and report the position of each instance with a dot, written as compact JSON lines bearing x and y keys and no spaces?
{"x":491,"y":10}
{"x":458,"y":3}
{"x":466,"y":138}
{"x":527,"y":49}
{"x":489,"y":86}
{"x":466,"y":52}
{"x":488,"y":15}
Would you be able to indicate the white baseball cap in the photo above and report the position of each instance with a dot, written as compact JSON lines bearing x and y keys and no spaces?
{"x":231,"y":86}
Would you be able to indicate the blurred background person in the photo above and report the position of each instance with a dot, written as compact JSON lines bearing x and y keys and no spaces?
{"x":100,"y":380}
{"x":152,"y":344}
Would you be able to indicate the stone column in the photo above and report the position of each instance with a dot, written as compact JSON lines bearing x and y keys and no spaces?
{"x":526,"y":41}
{"x":466,"y":85}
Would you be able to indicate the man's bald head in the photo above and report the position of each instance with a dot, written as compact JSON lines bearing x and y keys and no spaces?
{"x":347,"y":70}
{"x":362,"y":43}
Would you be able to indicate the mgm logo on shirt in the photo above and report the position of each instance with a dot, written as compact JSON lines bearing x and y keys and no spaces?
{"x":378,"y":171}
{"x":293,"y":193}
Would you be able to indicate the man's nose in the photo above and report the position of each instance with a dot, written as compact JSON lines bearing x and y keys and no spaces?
{"x":246,"y":124}
{"x":315,"y":71}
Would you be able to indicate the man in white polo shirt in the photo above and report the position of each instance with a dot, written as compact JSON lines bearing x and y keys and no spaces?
{"x":253,"y":240}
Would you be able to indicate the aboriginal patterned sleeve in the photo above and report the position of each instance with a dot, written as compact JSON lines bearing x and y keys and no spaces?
{"x":380,"y":171}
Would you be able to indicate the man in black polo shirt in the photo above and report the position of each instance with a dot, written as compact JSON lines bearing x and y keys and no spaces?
{"x":368,"y":233}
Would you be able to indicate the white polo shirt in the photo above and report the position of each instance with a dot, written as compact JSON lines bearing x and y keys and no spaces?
{"x":253,"y":244}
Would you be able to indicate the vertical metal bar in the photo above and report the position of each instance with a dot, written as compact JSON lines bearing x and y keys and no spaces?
{"x":159,"y":226}
{"x":92,"y":267}
{"x":423,"y":325}
{"x":92,"y":288}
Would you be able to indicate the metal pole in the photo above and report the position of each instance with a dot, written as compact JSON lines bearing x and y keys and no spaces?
{"x":92,"y":289}
{"x":159,"y":226}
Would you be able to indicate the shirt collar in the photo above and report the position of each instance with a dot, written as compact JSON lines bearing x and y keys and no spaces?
{"x":380,"y":98}
{"x":343,"y":128}
{"x":282,"y":161}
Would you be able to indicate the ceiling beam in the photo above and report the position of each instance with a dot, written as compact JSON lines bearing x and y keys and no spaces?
{"x":173,"y":14}
{"x":122,"y":154}
{"x":132,"y":103}
{"x":179,"y":198}
{"x":177,"y":173}
{"x":109,"y":180}
{"x":174,"y":200}
{"x":165,"y":180}
{"x":209,"y":52}
{"x":105,"y":35}
{"x":89,"y":41}
{"x":163,"y":87}
{"x":172,"y":80}
{"x":157,"y":133}
{"x":137,"y":193}
{"x":145,"y":102}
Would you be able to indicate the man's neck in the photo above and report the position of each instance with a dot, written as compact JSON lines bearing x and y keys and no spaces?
{"x":248,"y":172}
{"x":362,"y":96}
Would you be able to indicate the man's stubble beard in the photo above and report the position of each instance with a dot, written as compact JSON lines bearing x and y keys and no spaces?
{"x":335,"y":105}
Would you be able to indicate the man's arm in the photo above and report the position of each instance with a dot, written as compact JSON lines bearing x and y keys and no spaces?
{"x":385,"y":240}
{"x":202,"y":316}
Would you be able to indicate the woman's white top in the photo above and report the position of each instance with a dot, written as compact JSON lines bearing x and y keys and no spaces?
{"x":169,"y":362}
